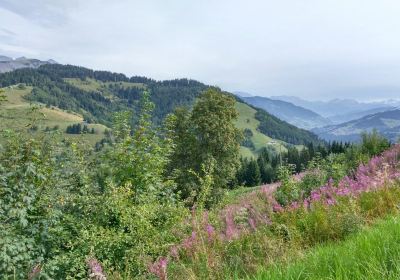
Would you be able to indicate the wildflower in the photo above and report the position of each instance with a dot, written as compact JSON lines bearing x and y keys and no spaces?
{"x":174,"y":252}
{"x":277,"y":207}
{"x":210,"y":231}
{"x":159,"y":268}
{"x":231,"y":230}
{"x":189,"y":243}
{"x":95,"y":270}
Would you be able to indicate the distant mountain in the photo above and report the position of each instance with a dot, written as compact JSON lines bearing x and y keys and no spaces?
{"x":338,"y":119}
{"x":332,"y":108}
{"x":242,"y":94}
{"x":288,"y":112}
{"x":8,"y":64}
{"x":387,"y":123}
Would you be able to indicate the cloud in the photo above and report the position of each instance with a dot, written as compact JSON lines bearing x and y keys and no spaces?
{"x":306,"y":48}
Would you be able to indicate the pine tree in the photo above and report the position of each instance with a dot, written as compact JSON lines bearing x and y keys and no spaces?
{"x":253,"y":176}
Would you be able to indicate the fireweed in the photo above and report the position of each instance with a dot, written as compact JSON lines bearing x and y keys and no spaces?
{"x":259,"y":207}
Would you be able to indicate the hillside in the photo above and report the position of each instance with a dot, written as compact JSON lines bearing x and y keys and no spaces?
{"x":16,"y":113}
{"x":387,"y":123}
{"x":295,"y":115}
{"x":97,"y":95}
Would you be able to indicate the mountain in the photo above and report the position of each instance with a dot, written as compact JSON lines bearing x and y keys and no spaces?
{"x":288,"y":112}
{"x":9,"y":64}
{"x":332,"y":108}
{"x":97,"y":95}
{"x":338,"y":119}
{"x":242,"y":94}
{"x":386,"y":123}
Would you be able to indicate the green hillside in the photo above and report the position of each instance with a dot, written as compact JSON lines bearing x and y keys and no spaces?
{"x":247,"y":120}
{"x":95,"y":96}
{"x":16,"y":113}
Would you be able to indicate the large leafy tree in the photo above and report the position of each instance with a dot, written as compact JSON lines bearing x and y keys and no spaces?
{"x":204,"y":137}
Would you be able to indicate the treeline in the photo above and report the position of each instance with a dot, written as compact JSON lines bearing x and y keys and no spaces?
{"x":79,"y":129}
{"x":51,"y":89}
{"x":278,"y":129}
{"x":264,"y":169}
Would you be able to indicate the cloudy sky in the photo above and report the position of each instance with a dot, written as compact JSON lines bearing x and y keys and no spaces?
{"x":307,"y":48}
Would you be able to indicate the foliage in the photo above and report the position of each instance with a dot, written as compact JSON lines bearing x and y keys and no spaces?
{"x":61,"y":206}
{"x":205,"y":134}
{"x":253,"y":235}
{"x":288,"y":190}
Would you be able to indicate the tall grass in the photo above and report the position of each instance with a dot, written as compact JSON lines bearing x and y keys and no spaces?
{"x":370,"y":254}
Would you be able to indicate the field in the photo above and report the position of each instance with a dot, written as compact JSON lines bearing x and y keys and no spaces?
{"x":17,"y":113}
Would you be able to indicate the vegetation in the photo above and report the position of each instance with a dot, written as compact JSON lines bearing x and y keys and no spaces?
{"x":268,"y":163}
{"x":160,"y":199}
{"x":371,"y":254}
{"x":257,"y":233}
{"x":206,"y":139}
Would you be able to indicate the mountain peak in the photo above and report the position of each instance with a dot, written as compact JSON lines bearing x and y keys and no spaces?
{"x":8,"y":64}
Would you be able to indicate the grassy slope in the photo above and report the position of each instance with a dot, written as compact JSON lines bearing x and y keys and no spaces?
{"x":260,"y":140}
{"x":95,"y":85}
{"x":371,"y":254}
{"x":15,"y":113}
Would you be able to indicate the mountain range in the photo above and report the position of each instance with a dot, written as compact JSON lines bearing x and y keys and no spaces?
{"x":336,"y":110}
{"x":9,"y":64}
{"x":386,"y":123}
{"x":293,"y":114}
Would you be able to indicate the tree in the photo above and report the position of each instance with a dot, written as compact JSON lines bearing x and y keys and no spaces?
{"x":253,"y":177}
{"x":206,"y":134}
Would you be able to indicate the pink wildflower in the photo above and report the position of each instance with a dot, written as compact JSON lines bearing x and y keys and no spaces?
{"x":95,"y":270}
{"x":159,"y":268}
{"x":210,"y":231}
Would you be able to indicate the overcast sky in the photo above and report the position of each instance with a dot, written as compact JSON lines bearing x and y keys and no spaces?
{"x":317,"y":49}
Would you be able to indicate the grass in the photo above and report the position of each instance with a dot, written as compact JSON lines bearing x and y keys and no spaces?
{"x":247,"y":120}
{"x":95,"y":85}
{"x":373,"y":253}
{"x":16,"y":113}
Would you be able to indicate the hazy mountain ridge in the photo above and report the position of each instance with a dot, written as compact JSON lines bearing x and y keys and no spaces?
{"x":342,"y":110}
{"x":8,"y":64}
{"x":386,"y":123}
{"x":293,"y":114}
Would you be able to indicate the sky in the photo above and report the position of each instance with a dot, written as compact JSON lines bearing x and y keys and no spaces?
{"x":312,"y":49}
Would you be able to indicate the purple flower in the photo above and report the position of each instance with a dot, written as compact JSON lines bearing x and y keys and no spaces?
{"x":210,"y":231}
{"x":95,"y":270}
{"x":159,"y":268}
